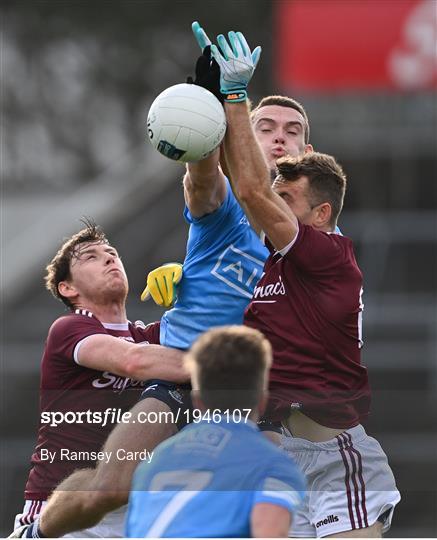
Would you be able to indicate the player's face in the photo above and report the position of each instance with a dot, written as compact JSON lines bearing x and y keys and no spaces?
{"x":97,"y":272}
{"x":296,"y":195}
{"x":280,"y":132}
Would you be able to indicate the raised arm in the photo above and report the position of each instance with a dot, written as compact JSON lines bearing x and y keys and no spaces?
{"x":251,"y":179}
{"x":204,"y":183}
{"x":248,"y":170}
{"x":204,"y":186}
{"x":137,"y":361}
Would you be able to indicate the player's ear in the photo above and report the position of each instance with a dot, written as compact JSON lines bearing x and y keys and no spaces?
{"x":308,"y":148}
{"x":323,"y":215}
{"x":66,"y":289}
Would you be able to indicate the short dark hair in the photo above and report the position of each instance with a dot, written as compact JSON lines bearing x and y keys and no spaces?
{"x":326,"y":178}
{"x":284,"y":101}
{"x":59,"y":267}
{"x":229,"y":367}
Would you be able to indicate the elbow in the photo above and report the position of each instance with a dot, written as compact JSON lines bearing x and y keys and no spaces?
{"x":108,"y":501}
{"x":243,"y":195}
{"x":136,"y":364}
{"x":250,"y":192}
{"x":246,"y":193}
{"x":109,"y":493}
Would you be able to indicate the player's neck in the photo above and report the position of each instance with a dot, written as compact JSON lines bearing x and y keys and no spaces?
{"x":325,"y":228}
{"x":112,"y":312}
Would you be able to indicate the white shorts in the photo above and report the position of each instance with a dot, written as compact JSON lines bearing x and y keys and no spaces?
{"x":111,"y":526}
{"x":350,"y":484}
{"x":31,"y":510}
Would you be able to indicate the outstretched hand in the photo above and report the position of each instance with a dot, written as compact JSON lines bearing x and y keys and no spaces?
{"x":207,"y":73}
{"x":237,"y":63}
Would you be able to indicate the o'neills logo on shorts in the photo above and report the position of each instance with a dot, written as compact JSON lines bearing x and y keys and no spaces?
{"x":327,"y":521}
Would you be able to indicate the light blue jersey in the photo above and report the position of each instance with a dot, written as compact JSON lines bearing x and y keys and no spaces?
{"x":205,"y":481}
{"x":224,"y":261}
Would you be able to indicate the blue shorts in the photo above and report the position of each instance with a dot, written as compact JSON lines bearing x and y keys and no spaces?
{"x":176,"y":396}
{"x":178,"y":399}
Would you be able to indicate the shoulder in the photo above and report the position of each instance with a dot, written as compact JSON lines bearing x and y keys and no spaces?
{"x":67,"y":331}
{"x":309,"y":232}
{"x":277,"y":462}
{"x":317,"y":249}
{"x":277,"y":474}
{"x":81,"y":320}
{"x":282,"y":473}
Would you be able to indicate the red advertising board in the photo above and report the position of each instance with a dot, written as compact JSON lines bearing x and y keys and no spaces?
{"x":331,"y":45}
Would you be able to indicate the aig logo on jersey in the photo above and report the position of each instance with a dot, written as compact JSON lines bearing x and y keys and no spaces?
{"x":239,"y":270}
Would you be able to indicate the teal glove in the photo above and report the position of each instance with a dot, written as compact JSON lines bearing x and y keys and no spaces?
{"x":201,"y":38}
{"x":237,"y":63}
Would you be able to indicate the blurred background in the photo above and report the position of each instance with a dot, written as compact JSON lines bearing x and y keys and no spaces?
{"x":77,"y":79}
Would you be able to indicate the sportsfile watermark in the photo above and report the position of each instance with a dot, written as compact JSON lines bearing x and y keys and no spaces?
{"x":111,"y":416}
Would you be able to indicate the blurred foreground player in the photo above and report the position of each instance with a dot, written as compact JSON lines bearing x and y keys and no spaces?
{"x":308,"y":304}
{"x":94,"y":360}
{"x":219,"y":477}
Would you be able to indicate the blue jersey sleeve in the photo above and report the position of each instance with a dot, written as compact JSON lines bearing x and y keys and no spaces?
{"x":282,"y":484}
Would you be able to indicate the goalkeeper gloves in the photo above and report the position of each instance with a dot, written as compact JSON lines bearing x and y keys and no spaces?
{"x":236,"y":61}
{"x":162,"y":284}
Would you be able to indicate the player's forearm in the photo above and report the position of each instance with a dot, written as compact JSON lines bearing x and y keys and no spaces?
{"x":198,"y":172}
{"x":224,"y":162}
{"x":204,"y":187}
{"x":69,"y":509}
{"x":250,"y":178}
{"x":248,"y":169}
{"x":157,"y":362}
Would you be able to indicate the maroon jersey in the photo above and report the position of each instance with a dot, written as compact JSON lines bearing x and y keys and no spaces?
{"x":308,"y":304}
{"x":68,"y":387}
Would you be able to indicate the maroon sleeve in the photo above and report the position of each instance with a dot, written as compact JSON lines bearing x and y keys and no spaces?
{"x":316,"y":251}
{"x":149,"y":333}
{"x":66,"y":332}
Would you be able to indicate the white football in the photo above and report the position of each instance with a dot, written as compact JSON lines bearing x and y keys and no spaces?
{"x":186,"y":122}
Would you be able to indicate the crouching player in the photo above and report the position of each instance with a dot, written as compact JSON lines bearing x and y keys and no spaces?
{"x":219,"y":477}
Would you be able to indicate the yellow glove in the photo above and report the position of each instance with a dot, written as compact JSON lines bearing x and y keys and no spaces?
{"x":162,"y":284}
